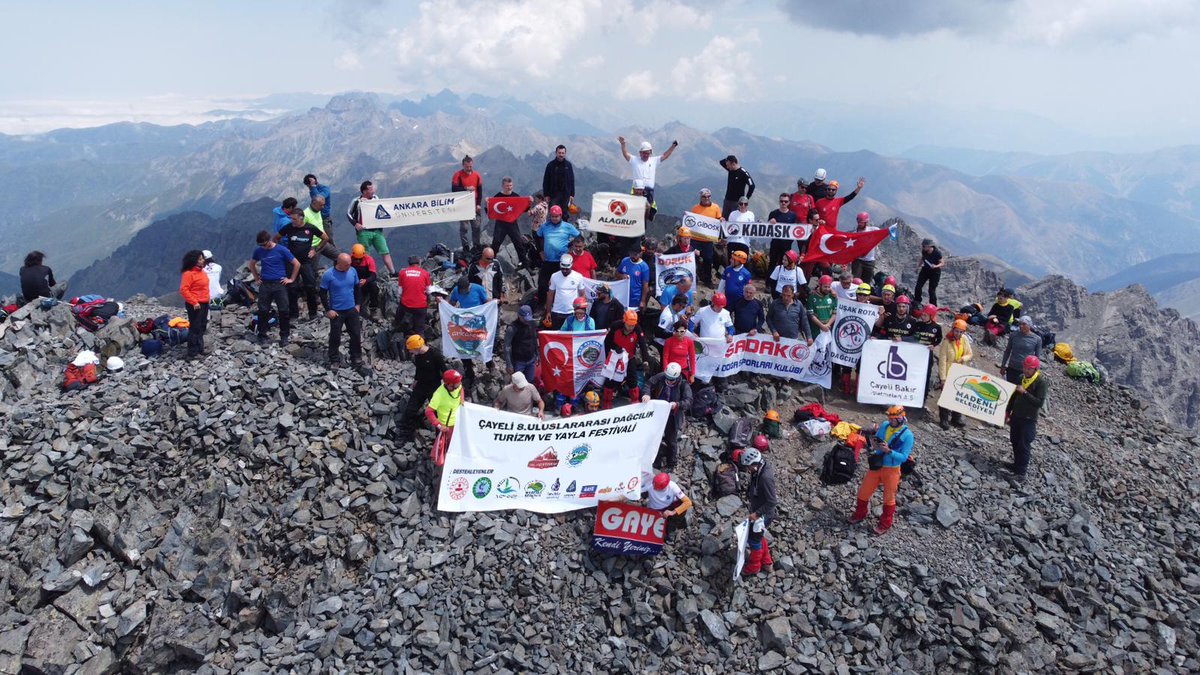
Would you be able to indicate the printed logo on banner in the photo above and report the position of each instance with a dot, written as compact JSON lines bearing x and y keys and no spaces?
{"x":851,"y":334}
{"x":894,"y":367}
{"x":605,"y":490}
{"x":587,"y":491}
{"x":459,"y":488}
{"x":571,"y":487}
{"x":589,"y":353}
{"x":617,"y":208}
{"x":634,"y":482}
{"x":509,"y":487}
{"x":821,"y":364}
{"x":628,"y":529}
{"x":980,"y":389}
{"x":578,"y":454}
{"x":481,"y":488}
{"x":534,"y":488}
{"x":673,"y":275}
{"x":554,"y":488}
{"x":382,"y":213}
{"x":468,"y":331}
{"x":976,"y":394}
{"x":547,"y":460}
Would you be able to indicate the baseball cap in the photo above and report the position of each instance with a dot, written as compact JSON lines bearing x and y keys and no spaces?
{"x":566,"y":260}
{"x":639,"y":184}
{"x":646,"y":147}
{"x":525,"y":313}
{"x":207,"y":255}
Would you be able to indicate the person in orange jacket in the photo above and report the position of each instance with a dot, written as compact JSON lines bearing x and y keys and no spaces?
{"x":193,"y":286}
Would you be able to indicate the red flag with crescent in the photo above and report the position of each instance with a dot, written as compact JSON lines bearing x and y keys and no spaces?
{"x":567,"y":361}
{"x":841,"y":248}
{"x":507,"y":209}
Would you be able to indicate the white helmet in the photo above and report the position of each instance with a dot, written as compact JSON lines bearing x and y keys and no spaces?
{"x":673,"y":371}
{"x":114,"y":364}
{"x":820,"y":175}
{"x":750,"y":456}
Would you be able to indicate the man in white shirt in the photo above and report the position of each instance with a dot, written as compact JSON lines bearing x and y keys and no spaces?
{"x":864,"y":267}
{"x":743,"y":214}
{"x":644,"y":167}
{"x":564,"y":288}
{"x":714,"y":321}
{"x":665,"y":495}
{"x":213,"y":270}
{"x":845,"y":289}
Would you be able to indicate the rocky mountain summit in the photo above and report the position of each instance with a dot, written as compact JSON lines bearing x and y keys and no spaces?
{"x":251,"y":511}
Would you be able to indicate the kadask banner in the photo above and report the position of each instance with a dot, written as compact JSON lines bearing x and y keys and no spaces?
{"x":672,"y":268}
{"x":568,"y":361}
{"x":760,"y":230}
{"x":976,"y":394}
{"x":786,"y":358}
{"x":420,"y":210}
{"x":703,"y":228}
{"x":619,"y":214}
{"x":498,"y":460}
{"x":851,"y":330}
{"x":469,"y":334}
{"x":893,"y":373}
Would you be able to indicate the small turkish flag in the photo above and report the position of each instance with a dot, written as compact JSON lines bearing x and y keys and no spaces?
{"x":507,"y":209}
{"x":841,"y":248}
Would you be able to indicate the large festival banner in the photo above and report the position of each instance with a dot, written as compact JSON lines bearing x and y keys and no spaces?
{"x":784,"y":358}
{"x":500,"y":460}
{"x":620,"y":214}
{"x":628,"y":530}
{"x":760,"y":230}
{"x":419,"y":210}
{"x":851,"y":330}
{"x":976,"y":394}
{"x":619,"y":289}
{"x":570,"y":360}
{"x":469,"y":334}
{"x":703,"y":228}
{"x":671,"y":268}
{"x":893,"y":373}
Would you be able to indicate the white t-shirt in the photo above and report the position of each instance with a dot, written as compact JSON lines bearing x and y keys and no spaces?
{"x":711,"y":323}
{"x":845,"y":293}
{"x":785,"y":277}
{"x":566,"y":289}
{"x":213,"y":270}
{"x":738,"y":217}
{"x":666,"y":322}
{"x":644,"y":171}
{"x":661,"y":499}
{"x":870,"y":256}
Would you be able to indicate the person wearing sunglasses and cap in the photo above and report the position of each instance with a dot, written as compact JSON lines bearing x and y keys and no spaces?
{"x":1022,"y":414}
{"x":739,"y":242}
{"x":956,"y":348}
{"x":563,"y":289}
{"x":785,"y":215}
{"x":891,"y":446}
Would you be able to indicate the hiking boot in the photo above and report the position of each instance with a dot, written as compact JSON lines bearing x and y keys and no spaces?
{"x":944,"y":425}
{"x":360,"y":368}
{"x":885,"y":520}
{"x":957,"y":422}
{"x":334,"y":364}
{"x":860,"y":512}
{"x":283,"y":342}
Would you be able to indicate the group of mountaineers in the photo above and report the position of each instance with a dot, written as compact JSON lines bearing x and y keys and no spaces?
{"x":785,"y":293}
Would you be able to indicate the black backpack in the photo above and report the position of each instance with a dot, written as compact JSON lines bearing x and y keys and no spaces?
{"x":838,"y":465}
{"x":389,"y":344}
{"x":705,"y":402}
{"x":725,"y":480}
{"x":741,"y":433}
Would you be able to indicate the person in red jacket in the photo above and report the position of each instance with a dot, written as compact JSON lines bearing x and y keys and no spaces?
{"x":414,"y":303}
{"x":831,"y":204}
{"x":467,"y":180}
{"x":681,"y":348}
{"x":193,"y":286}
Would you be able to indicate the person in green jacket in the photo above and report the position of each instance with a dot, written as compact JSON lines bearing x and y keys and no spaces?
{"x":1022,"y":413}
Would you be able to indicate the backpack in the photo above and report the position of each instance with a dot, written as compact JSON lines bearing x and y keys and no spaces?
{"x":145,"y":327}
{"x":839,"y":464}
{"x":239,"y":294}
{"x":85,"y":314}
{"x":1083,"y":370}
{"x":705,"y":402}
{"x":1064,"y":353}
{"x":152,"y":347}
{"x":741,"y":433}
{"x":725,"y":480}
{"x":78,"y":377}
{"x":177,"y":336}
{"x":758,"y":265}
{"x":389,"y":344}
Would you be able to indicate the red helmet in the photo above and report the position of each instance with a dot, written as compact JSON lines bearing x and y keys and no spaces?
{"x":579,"y":303}
{"x":719,"y":300}
{"x":792,"y":255}
{"x":565,"y":410}
{"x":825,"y":280}
{"x":863,"y":217}
{"x":903,"y":300}
{"x":760,"y":442}
{"x":890,"y":281}
{"x":661,"y":481}
{"x":451,"y":378}
{"x":1032,"y":361}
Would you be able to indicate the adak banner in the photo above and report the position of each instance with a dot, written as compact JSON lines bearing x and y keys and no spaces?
{"x":619,"y":214}
{"x":760,"y":230}
{"x":628,"y":530}
{"x":976,"y":394}
{"x":851,"y":330}
{"x":469,"y":333}
{"x":673,"y":268}
{"x":893,"y":373}
{"x":419,"y":210}
{"x":498,"y":460}
{"x":783,"y":358}
{"x":703,"y":228}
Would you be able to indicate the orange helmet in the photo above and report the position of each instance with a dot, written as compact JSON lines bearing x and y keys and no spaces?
{"x":959,"y":324}
{"x":772,"y":415}
{"x":572,"y":209}
{"x":631,"y":318}
{"x":358,"y":251}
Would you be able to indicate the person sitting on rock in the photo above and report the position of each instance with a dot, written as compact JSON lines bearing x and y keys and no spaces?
{"x":891,"y":446}
{"x":521,"y":397}
{"x":670,"y":386}
{"x":956,"y":348}
{"x":442,"y":411}
{"x":762,"y":494}
{"x":1000,"y":317}
{"x":666,"y":496}
{"x":756,"y":544}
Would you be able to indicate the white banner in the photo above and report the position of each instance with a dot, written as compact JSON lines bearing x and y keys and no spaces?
{"x":741,"y":535}
{"x":785,"y":358}
{"x":703,"y":228}
{"x":671,"y":268}
{"x":976,"y":394}
{"x":500,"y":460}
{"x":619,"y":289}
{"x":893,"y":373}
{"x":616,"y":213}
{"x":420,"y":210}
{"x":851,"y":330}
{"x":615,"y":366}
{"x":760,"y":230}
{"x":469,"y":334}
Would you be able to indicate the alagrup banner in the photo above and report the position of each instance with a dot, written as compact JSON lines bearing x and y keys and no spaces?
{"x":499,"y":460}
{"x":671,"y":268}
{"x":469,"y":333}
{"x":620,"y":214}
{"x":976,"y":394}
{"x":851,"y":330}
{"x":760,"y":230}
{"x":893,"y":373}
{"x":784,"y":358}
{"x":419,"y":210}
{"x":703,"y":228}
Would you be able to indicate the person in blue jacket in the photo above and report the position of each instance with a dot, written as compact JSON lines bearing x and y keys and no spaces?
{"x":890,"y":448}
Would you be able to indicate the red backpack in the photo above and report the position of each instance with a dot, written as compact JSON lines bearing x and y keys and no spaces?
{"x":78,"y":377}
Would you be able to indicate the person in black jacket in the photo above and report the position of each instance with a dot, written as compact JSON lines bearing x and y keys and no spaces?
{"x":606,"y":310}
{"x":487,"y":273}
{"x":37,"y":280}
{"x":558,"y":182}
{"x":429,"y":368}
{"x":672,"y":387}
{"x":1022,"y":414}
{"x":762,"y":494}
{"x":739,"y":184}
{"x":298,"y":237}
{"x":521,"y":343}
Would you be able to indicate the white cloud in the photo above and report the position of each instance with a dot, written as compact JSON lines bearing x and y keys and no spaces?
{"x":1055,"y":22}
{"x":639,"y":85}
{"x":347,"y":61}
{"x":721,"y":72}
{"x":594,"y":61}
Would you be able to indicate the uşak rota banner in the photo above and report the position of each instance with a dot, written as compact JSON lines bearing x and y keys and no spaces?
{"x":420,"y":210}
{"x":976,"y":394}
{"x":628,"y":530}
{"x":893,"y":373}
{"x":851,"y":330}
{"x":783,"y":358}
{"x":619,"y":214}
{"x":672,"y":268}
{"x":760,"y":230}
{"x":568,"y":361}
{"x":618,"y":288}
{"x":500,"y":460}
{"x":469,"y":334}
{"x":703,"y":228}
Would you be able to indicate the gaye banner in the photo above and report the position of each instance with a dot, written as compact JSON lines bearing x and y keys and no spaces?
{"x":784,"y":358}
{"x":628,"y":530}
{"x":419,"y":210}
{"x":570,"y":360}
{"x":470,"y":333}
{"x":851,"y":330}
{"x":976,"y":394}
{"x":671,"y":268}
{"x":758,"y":230}
{"x":500,"y":460}
{"x":619,"y":214}
{"x":893,"y":373}
{"x":703,"y":228}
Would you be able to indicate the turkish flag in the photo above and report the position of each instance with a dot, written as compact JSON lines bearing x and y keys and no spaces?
{"x":568,"y":360}
{"x":507,"y":209}
{"x":841,"y":248}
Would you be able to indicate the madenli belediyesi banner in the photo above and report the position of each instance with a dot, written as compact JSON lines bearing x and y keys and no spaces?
{"x":783,"y":358}
{"x":499,"y":460}
{"x":893,"y":373}
{"x":703,"y":228}
{"x":760,"y":230}
{"x":976,"y":394}
{"x":851,"y":330}
{"x":618,"y":288}
{"x":469,"y":334}
{"x":420,"y":210}
{"x":619,"y":214}
{"x":672,"y":268}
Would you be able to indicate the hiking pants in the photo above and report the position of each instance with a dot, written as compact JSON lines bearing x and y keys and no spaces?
{"x":411,"y":320}
{"x":525,"y":367}
{"x":370,"y":296}
{"x":273,"y":292}
{"x":1013,"y":375}
{"x":888,"y":476}
{"x":198,"y":320}
{"x":705,"y":252}
{"x":933,"y":277}
{"x":415,"y":409}
{"x":468,"y":229}
{"x":501,"y":231}
{"x":351,"y":320}
{"x":863,"y":269}
{"x":669,"y":454}
{"x":1021,"y":431}
{"x":306,"y":283}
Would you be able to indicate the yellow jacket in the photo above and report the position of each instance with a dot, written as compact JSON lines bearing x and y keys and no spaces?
{"x":947,"y":354}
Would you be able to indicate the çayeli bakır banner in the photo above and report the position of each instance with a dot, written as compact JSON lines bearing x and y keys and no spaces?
{"x":785,"y":358}
{"x":419,"y":210}
{"x":893,"y":373}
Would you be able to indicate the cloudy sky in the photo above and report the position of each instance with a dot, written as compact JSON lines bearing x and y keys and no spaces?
{"x":1104,"y":73}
